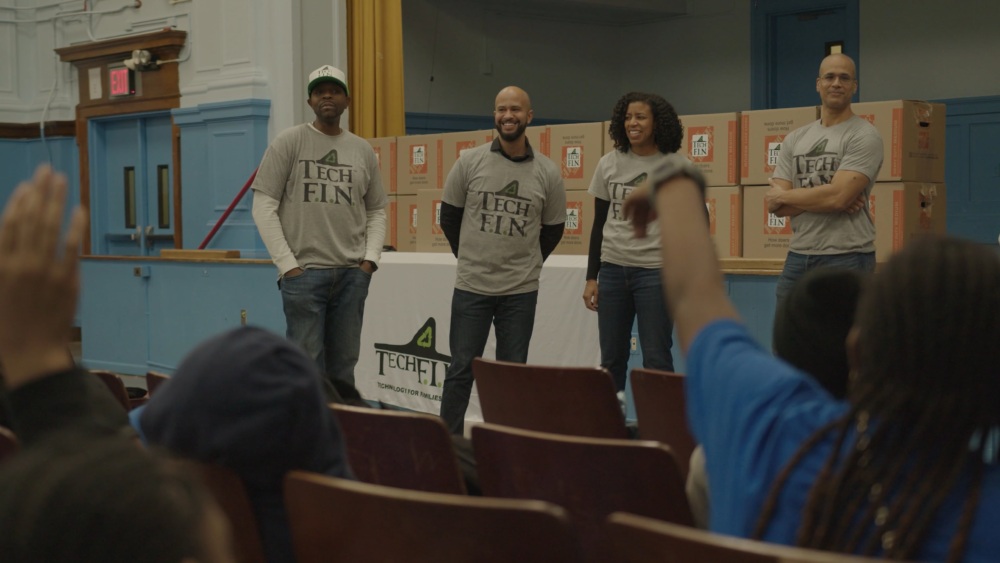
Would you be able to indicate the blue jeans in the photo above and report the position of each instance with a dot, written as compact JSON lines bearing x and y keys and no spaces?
{"x":513,"y":316}
{"x":324,"y":310}
{"x":624,"y":292}
{"x":796,"y":265}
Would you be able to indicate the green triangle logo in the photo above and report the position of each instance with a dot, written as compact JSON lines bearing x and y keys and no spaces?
{"x":818,"y":149}
{"x":637,"y":181}
{"x":509,"y":190}
{"x":426,"y":338}
{"x":330,"y":159}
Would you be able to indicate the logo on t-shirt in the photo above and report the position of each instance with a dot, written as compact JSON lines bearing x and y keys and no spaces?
{"x":418,"y":359}
{"x":620,"y":190}
{"x":816,"y":167}
{"x":504,"y":212}
{"x":326,"y":180}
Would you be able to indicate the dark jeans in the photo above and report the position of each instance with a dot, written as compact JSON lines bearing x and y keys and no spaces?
{"x":623,"y":293}
{"x":472,"y":314}
{"x":324,"y":310}
{"x":796,"y":265}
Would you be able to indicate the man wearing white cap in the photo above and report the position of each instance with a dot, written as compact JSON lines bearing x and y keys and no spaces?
{"x":319,"y":206}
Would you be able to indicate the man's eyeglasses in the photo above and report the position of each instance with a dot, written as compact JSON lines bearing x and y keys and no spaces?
{"x":830,"y":78}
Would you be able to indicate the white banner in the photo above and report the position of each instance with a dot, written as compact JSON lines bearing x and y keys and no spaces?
{"x":404,"y":343}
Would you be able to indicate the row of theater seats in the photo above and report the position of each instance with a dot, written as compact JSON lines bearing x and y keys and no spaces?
{"x":562,"y":481}
{"x":560,"y":478}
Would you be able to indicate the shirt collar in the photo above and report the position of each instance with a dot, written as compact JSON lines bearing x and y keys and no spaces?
{"x":528,"y":152}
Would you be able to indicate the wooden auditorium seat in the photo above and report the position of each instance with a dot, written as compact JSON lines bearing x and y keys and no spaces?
{"x":153,"y":381}
{"x":579,"y":401}
{"x":115,"y":385}
{"x":229,"y":491}
{"x":589,"y":477}
{"x":335,"y":520}
{"x":638,"y":539}
{"x":660,"y":409}
{"x":400,"y":449}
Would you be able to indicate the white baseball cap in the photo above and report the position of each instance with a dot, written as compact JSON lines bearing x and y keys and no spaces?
{"x":327,"y":73}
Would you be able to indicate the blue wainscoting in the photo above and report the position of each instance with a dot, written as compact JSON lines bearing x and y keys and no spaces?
{"x":146,"y":314}
{"x":221,"y":145}
{"x":20,"y":157}
{"x":972,"y":169}
{"x":755,"y":300}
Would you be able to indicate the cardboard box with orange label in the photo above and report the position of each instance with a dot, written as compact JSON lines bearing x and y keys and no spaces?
{"x":712,"y":142}
{"x":418,"y":163}
{"x":579,"y":223}
{"x":762,"y":133}
{"x":765,"y":235}
{"x":385,"y":152}
{"x":902,"y":211}
{"x":430,"y":237}
{"x":392,"y":223}
{"x":725,"y":219}
{"x":575,"y":148}
{"x":406,"y":223}
{"x":452,"y":145}
{"x":912,"y":138}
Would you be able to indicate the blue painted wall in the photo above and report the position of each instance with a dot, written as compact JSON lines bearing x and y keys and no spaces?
{"x":221,"y":145}
{"x":20,"y":157}
{"x":141,"y":314}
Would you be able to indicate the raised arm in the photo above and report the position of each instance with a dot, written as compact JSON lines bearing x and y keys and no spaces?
{"x":692,"y":281}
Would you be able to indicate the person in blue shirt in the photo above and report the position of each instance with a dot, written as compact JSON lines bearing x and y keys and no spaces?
{"x":906,"y":467}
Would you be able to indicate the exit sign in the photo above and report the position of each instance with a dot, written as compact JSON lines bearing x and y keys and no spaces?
{"x":121,"y":82}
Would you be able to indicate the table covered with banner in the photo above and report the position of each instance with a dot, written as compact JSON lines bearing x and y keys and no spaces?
{"x":404,"y":343}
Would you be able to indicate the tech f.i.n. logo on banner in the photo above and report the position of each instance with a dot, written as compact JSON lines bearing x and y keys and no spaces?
{"x":417,"y":361}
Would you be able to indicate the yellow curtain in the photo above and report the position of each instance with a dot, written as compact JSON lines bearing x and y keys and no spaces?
{"x":375,"y":67}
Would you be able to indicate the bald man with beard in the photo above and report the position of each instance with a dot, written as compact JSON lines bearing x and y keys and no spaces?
{"x":822,"y":181}
{"x":503,"y":211}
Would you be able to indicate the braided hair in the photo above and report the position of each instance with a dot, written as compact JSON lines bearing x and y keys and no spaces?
{"x":923,"y":422}
{"x":667,"y":128}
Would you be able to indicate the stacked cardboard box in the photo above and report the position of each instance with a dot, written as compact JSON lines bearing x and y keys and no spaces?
{"x":430,"y":237}
{"x":385,"y":152}
{"x":763,"y":132}
{"x":579,"y":223}
{"x":908,"y":199}
{"x":575,"y":148}
{"x":912,"y":139}
{"x":407,"y":217}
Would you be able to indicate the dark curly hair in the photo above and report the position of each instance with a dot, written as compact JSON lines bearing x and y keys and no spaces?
{"x":667,"y":128}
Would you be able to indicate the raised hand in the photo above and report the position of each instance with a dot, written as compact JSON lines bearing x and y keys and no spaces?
{"x":39,"y":278}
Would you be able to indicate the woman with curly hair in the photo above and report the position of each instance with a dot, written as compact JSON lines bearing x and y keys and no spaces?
{"x":623,"y":273}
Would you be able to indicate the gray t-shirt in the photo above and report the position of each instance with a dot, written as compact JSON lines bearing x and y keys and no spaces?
{"x":325,"y":186}
{"x":809,"y":157}
{"x":506,"y":203}
{"x":617,"y":174}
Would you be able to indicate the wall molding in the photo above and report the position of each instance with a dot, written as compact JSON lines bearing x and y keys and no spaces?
{"x":32,"y":130}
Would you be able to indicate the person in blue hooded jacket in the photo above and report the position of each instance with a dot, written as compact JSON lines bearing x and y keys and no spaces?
{"x":251,"y":401}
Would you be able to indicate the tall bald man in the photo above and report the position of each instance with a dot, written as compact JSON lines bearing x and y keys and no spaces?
{"x":823,"y":178}
{"x":503,"y":211}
